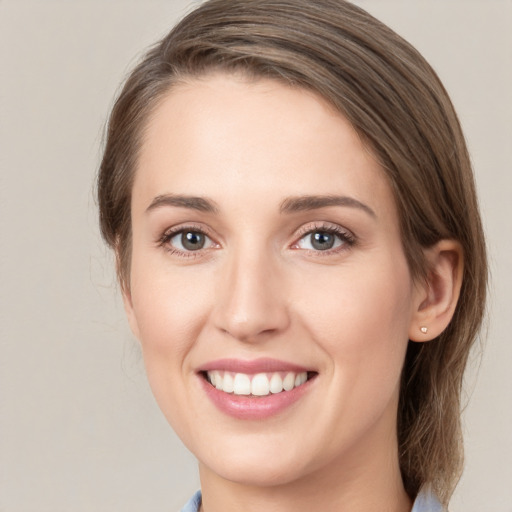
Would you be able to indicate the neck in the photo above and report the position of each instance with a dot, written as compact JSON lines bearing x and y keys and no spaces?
{"x":356,"y":482}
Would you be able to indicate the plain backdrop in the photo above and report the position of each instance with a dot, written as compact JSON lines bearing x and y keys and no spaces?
{"x":79,"y":429}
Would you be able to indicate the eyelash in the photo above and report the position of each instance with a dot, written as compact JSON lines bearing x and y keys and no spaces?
{"x":346,"y":237}
{"x":171,"y":233}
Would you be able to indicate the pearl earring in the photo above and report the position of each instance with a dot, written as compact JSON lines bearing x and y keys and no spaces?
{"x":424,"y":330}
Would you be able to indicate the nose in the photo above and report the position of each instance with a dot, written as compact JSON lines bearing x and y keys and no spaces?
{"x":251,"y":302}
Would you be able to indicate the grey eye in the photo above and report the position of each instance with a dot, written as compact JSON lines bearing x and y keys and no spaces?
{"x":189,"y":241}
{"x":192,"y":240}
{"x":322,"y":240}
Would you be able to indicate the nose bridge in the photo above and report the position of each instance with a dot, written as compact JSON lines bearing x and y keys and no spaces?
{"x":251,"y":299}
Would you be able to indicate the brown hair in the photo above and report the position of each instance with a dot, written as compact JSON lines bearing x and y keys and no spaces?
{"x":397,"y":104}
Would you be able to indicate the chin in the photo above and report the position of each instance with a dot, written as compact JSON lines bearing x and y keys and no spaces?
{"x":266,"y":465}
{"x":258,"y":474}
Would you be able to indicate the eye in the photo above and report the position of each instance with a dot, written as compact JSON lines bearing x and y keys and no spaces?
{"x":324,"y":239}
{"x":187,"y":240}
{"x":320,"y":241}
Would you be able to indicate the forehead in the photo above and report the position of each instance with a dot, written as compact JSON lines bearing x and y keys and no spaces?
{"x":225,"y":133}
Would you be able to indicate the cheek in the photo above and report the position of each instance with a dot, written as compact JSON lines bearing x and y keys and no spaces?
{"x":361,"y":320}
{"x":170,"y":312}
{"x":169,"y":306}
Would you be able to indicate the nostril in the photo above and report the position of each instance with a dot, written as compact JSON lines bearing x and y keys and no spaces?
{"x":250,"y":306}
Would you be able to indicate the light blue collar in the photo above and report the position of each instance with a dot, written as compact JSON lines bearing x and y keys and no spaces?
{"x":426,"y":501}
{"x":193,"y":504}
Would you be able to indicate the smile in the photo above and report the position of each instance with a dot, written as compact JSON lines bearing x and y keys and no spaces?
{"x":257,"y":389}
{"x":260,"y":384}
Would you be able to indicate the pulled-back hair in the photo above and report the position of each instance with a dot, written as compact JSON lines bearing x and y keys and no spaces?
{"x":400,"y":109}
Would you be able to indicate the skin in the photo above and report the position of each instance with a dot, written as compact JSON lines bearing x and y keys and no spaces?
{"x":258,"y":288}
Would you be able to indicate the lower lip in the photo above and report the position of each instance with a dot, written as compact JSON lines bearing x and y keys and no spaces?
{"x":247,"y":407}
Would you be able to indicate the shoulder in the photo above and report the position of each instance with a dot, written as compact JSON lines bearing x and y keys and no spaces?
{"x":427,"y":501}
{"x":193,"y":504}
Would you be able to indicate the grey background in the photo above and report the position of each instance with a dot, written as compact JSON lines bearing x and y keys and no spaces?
{"x":79,"y":429}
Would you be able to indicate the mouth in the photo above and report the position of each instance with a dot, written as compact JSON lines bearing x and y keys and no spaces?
{"x":262,"y":384}
{"x":257,"y":389}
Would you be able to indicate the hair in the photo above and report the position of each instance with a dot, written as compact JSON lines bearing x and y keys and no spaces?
{"x":400,"y":109}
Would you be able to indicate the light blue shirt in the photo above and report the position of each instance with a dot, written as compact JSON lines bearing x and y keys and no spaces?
{"x":193,"y":504}
{"x":426,"y":501}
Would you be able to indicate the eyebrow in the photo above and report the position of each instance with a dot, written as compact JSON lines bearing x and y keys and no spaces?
{"x":201,"y":204}
{"x":304,"y":203}
{"x":289,"y":205}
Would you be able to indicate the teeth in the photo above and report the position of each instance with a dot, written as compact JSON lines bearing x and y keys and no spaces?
{"x":289,"y":381}
{"x":242,"y":384}
{"x":276,"y":383}
{"x":217,"y":379}
{"x":261,"y":384}
{"x":229,"y":384}
{"x":301,"y":378}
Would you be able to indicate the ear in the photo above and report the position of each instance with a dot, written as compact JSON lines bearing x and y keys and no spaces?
{"x":130,"y":313}
{"x":436,"y":297}
{"x":126,"y":293}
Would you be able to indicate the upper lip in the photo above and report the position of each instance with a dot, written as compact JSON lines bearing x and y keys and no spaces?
{"x":261,"y":365}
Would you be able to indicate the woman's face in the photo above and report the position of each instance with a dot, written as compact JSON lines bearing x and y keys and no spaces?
{"x":266,"y":250}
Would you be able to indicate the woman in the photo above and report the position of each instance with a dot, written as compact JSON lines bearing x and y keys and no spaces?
{"x":291,"y":203}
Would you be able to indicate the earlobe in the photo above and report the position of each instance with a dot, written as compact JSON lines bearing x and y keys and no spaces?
{"x":436,"y":298}
{"x":126,"y":292}
{"x":130,"y":313}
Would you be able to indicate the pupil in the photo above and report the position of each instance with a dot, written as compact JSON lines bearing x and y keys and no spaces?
{"x":322,"y":240}
{"x":192,"y":241}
